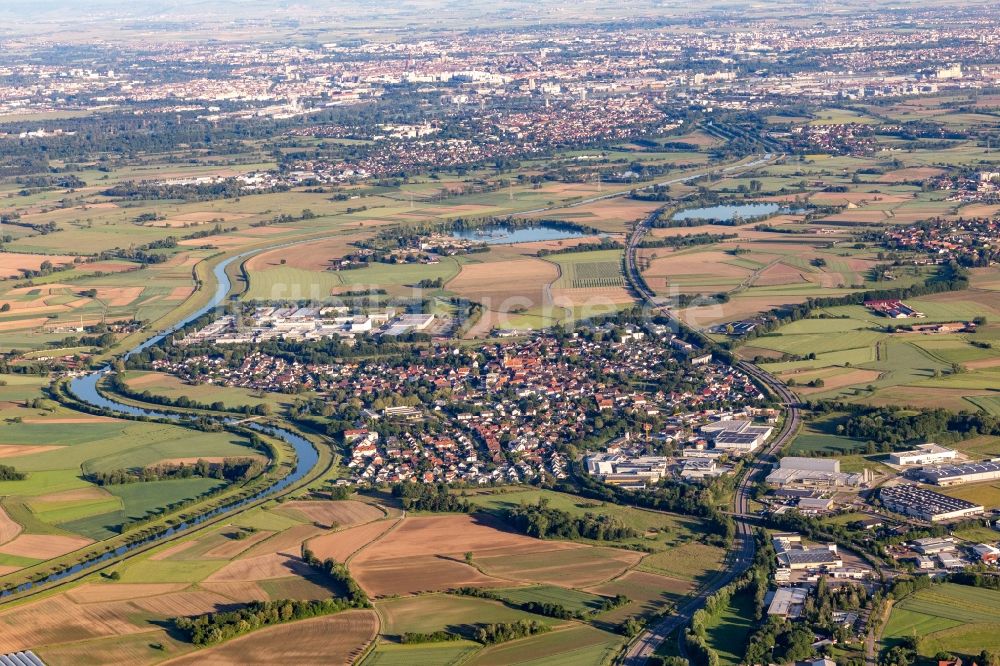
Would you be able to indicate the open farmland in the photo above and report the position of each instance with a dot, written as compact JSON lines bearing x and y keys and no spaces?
{"x":946,"y":617}
{"x":337,"y":639}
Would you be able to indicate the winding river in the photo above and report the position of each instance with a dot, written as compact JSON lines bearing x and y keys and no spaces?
{"x":84,"y":388}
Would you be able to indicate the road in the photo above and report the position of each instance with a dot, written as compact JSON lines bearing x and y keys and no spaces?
{"x":741,"y":555}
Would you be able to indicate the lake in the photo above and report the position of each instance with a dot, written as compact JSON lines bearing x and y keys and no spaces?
{"x":728,"y":212}
{"x":505,"y":235}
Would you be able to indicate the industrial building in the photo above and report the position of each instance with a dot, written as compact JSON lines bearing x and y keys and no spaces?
{"x":927,"y":504}
{"x":787,"y":602}
{"x":954,"y":475}
{"x":793,"y":555}
{"x":619,"y":469}
{"x":815,"y":473}
{"x":925,"y":454}
{"x":737,"y":436}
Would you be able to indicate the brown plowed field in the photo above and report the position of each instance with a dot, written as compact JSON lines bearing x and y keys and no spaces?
{"x":335,"y":639}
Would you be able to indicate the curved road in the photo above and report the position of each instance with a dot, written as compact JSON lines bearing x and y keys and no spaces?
{"x":741,"y":555}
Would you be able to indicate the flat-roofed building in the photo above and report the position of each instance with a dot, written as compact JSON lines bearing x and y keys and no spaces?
{"x":737,"y":436}
{"x":813,"y":464}
{"x":927,"y":504}
{"x":925,"y":454}
{"x":787,"y":602}
{"x":954,"y":475}
{"x":933,"y":545}
{"x":815,"y":473}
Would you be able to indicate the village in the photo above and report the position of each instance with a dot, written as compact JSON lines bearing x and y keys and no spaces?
{"x":507,"y":412}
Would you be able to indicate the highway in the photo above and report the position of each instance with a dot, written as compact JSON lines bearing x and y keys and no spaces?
{"x":740,"y":556}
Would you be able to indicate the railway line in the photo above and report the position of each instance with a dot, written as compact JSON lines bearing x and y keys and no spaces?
{"x":740,"y":556}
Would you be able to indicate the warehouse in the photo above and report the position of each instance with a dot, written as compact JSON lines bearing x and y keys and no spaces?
{"x":954,"y":475}
{"x":737,"y":436}
{"x":814,"y":473}
{"x":926,"y":504}
{"x":925,"y":454}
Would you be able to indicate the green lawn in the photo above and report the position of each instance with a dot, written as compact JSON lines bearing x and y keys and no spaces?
{"x":572,"y":600}
{"x":728,"y":633}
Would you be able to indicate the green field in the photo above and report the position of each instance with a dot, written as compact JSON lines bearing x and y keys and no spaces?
{"x":658,"y":530}
{"x":430,"y":654}
{"x":578,"y":645}
{"x":572,"y":600}
{"x":947,"y":617}
{"x":445,"y":612}
{"x":820,"y":436}
{"x":728,"y":634}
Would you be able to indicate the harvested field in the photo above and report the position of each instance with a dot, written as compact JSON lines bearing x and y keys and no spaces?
{"x":288,"y":542}
{"x":196,"y":218}
{"x":18,"y":450}
{"x":341,"y":545}
{"x":261,"y":567}
{"x":505,"y":286}
{"x":11,"y":263}
{"x":648,"y":593}
{"x":90,"y":593}
{"x":335,"y":639}
{"x":597,"y":300}
{"x":575,"y":567}
{"x":43,"y":546}
{"x":118,"y":296}
{"x":346,"y":513}
{"x":979,"y":210}
{"x":171,"y":550}
{"x":858,"y":216}
{"x":909,"y":174}
{"x":858,"y":198}
{"x":242,"y":591}
{"x":740,"y":307}
{"x":234,"y":547}
{"x":312,"y":256}
{"x":188,"y":602}
{"x":8,"y":528}
{"x":421,"y":573}
{"x":779,"y":274}
{"x":108,"y":267}
{"x":427,"y":554}
{"x":59,"y":620}
{"x":838,"y":380}
{"x":553,"y":245}
{"x":75,"y":495}
{"x":18,"y":324}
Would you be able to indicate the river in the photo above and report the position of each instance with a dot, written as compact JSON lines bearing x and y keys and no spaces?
{"x":85,"y":389}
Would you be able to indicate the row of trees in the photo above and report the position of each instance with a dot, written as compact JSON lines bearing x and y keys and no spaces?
{"x":232,"y":470}
{"x":542,"y":521}
{"x":426,"y":497}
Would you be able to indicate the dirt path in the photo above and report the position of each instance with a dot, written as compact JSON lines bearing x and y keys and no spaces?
{"x":8,"y":528}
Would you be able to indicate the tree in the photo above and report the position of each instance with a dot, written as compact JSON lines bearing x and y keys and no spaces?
{"x":468,"y":557}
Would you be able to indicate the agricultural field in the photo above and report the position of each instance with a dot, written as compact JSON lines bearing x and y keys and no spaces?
{"x":947,"y":617}
{"x":164,"y":385}
{"x":57,"y":509}
{"x":254,"y":556}
{"x":865,"y":362}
